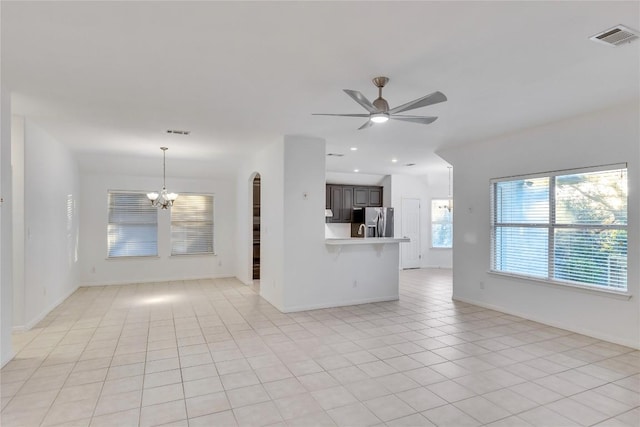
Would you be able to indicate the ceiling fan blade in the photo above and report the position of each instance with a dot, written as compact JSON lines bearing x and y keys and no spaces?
{"x":341,"y":115}
{"x":432,"y":98}
{"x":415,"y":119}
{"x":368,"y":124}
{"x":360,"y":99}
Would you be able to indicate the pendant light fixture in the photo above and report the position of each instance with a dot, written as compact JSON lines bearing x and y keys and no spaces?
{"x":449,"y":205}
{"x":163,"y":199}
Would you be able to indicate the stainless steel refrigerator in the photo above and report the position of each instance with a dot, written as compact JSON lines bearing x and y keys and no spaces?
{"x":372,"y":222}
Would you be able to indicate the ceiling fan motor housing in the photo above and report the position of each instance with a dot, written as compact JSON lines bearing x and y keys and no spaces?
{"x":380,"y":103}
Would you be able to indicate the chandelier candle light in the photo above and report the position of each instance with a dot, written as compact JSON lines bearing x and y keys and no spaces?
{"x":163,"y":199}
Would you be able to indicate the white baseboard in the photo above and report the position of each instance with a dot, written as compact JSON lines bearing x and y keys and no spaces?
{"x":33,"y":322}
{"x":559,"y":325}
{"x":13,"y":354}
{"x":339,"y":304}
{"x":164,"y":279}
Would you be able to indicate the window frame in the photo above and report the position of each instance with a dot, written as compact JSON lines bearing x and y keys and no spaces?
{"x":551,"y":226}
{"x":213,"y":228}
{"x":123,"y":257}
{"x":432,"y":222}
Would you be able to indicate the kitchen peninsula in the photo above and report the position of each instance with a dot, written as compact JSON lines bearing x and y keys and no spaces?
{"x":365,"y":264}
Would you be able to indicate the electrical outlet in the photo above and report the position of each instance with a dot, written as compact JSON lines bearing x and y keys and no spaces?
{"x":355,"y":283}
{"x":219,"y":263}
{"x":481,"y":285}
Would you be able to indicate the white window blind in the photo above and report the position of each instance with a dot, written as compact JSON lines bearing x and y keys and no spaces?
{"x":192,"y":225}
{"x":567,"y":227}
{"x":132,"y":228}
{"x":441,"y":223}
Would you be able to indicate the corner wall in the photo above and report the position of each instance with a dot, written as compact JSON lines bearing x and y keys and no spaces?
{"x":51,"y":223}
{"x":6,"y":280}
{"x":269,"y":162}
{"x":425,"y":188}
{"x":605,"y":137}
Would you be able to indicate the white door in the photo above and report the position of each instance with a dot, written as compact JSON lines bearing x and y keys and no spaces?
{"x":411,"y":229}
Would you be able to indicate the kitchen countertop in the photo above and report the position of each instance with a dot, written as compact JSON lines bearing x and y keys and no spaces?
{"x":365,"y":241}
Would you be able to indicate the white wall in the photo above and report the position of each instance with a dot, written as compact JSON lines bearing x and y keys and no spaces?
{"x":605,"y":137}
{"x":431,"y":186}
{"x":17,"y":178}
{"x":96,"y":269}
{"x":6,"y":284}
{"x":51,"y":224}
{"x":354,"y":178}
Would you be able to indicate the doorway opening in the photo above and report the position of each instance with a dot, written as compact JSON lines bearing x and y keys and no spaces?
{"x":256,"y":227}
{"x":410,"y":252}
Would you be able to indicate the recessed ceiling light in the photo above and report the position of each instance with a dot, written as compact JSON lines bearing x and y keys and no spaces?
{"x":394,"y":160}
{"x":354,"y":148}
{"x":356,"y":170}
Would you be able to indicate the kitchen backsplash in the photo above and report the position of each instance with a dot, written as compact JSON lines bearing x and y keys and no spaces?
{"x":337,"y":231}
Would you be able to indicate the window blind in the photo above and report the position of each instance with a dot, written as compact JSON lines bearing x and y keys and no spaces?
{"x":132,"y":228}
{"x":567,"y":226}
{"x":192,"y":225}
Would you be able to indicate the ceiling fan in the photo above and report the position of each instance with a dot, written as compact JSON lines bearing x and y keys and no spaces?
{"x":379,"y":111}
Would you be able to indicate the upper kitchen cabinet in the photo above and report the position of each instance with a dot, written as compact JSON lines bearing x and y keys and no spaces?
{"x":375,"y":196}
{"x":341,"y":199}
{"x":367,"y":197}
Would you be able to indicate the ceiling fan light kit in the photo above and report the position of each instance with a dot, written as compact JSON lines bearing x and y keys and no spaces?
{"x":379,"y":111}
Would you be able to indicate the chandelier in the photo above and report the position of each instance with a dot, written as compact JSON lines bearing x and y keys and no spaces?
{"x":449,"y":205}
{"x":163,"y":199}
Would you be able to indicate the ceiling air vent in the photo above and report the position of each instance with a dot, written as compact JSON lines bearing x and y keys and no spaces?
{"x":616,"y":36}
{"x":335,"y":155}
{"x":178,"y":132}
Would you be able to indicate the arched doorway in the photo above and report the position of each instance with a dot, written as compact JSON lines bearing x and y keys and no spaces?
{"x":256,"y":227}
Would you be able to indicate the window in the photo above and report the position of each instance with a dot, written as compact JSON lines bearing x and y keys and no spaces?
{"x":132,"y":228}
{"x":192,"y":225}
{"x":441,"y":223}
{"x":567,"y":227}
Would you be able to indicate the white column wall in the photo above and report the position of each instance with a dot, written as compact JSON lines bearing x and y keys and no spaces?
{"x":605,"y":137}
{"x":51,"y":223}
{"x":17,"y":178}
{"x":96,"y":269}
{"x":6,"y":282}
{"x":269,"y":163}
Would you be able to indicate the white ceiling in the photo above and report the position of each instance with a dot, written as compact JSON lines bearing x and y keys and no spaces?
{"x":108,"y":78}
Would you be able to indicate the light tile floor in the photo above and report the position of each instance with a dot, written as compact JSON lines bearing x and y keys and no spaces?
{"x":213,"y":353}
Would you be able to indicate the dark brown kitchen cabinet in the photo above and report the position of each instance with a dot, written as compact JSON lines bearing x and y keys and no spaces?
{"x":375,"y":196}
{"x":347,"y":204}
{"x":361,"y":196}
{"x":341,"y":199}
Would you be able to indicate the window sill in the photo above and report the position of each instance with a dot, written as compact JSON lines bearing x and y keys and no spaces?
{"x":441,"y":248}
{"x":192,"y":255}
{"x":118,"y":258}
{"x":623,"y":295}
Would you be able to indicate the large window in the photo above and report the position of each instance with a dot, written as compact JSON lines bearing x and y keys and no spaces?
{"x":441,"y":223}
{"x":192,"y":225}
{"x":567,"y":227}
{"x":132,"y":228}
